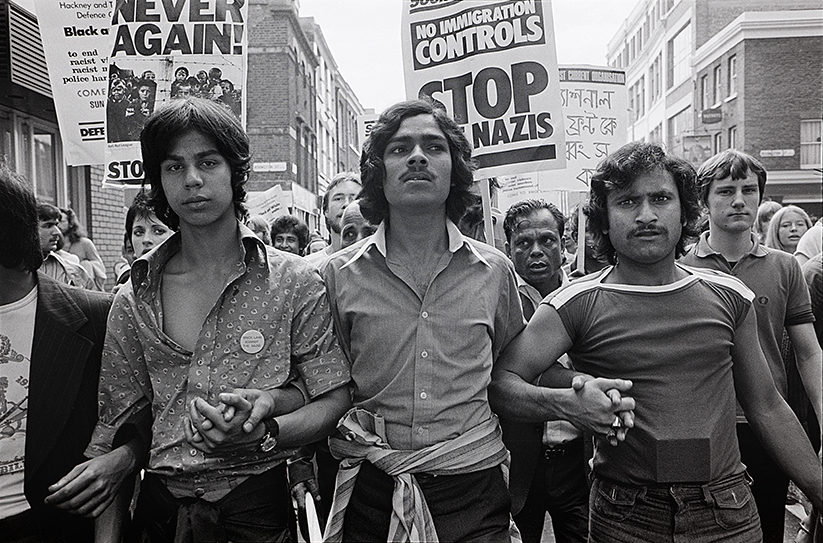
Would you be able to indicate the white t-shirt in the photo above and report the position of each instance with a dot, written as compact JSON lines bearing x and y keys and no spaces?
{"x":16,"y":337}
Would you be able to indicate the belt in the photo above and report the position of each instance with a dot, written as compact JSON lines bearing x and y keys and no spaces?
{"x":561,"y":449}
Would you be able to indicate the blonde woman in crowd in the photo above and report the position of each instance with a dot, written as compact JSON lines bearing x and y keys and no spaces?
{"x":786,"y":228}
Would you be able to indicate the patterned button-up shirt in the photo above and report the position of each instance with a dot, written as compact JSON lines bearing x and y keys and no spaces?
{"x":424,"y":363}
{"x":270,"y":327}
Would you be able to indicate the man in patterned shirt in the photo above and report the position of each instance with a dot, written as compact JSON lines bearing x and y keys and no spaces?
{"x":228,"y":343}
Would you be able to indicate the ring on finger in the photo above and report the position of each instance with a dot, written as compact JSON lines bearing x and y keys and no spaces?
{"x":611,"y":434}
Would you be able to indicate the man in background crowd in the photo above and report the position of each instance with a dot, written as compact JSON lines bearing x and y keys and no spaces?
{"x":58,"y":268}
{"x":731,"y":186}
{"x":548,"y":472}
{"x":290,"y":234}
{"x":343,"y":189}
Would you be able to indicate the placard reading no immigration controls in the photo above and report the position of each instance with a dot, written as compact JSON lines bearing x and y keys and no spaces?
{"x":493,"y":65}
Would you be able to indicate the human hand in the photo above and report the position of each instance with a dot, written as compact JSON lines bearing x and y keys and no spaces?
{"x":233,"y":424}
{"x":90,"y":487}
{"x":602,"y":407}
{"x":298,"y":491}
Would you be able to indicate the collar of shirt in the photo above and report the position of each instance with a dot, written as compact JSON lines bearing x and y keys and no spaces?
{"x":146,"y":270}
{"x":378,"y":240}
{"x":532,"y":293}
{"x":703,"y":249}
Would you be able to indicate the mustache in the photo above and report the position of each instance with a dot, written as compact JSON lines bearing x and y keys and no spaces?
{"x":648,"y":230}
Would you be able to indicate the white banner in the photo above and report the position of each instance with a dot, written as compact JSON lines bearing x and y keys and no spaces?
{"x":77,"y":42}
{"x":595,"y":117}
{"x":271,"y":203}
{"x":167,"y":50}
{"x":493,"y":65}
{"x":365,"y":123}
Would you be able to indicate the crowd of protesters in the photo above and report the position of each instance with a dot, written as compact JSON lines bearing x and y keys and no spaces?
{"x":410,"y":379}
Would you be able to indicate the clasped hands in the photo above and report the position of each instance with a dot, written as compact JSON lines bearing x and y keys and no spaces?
{"x":604,"y":409}
{"x":231,"y":425}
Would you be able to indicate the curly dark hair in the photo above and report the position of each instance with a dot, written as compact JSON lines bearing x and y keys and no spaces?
{"x":289,"y":223}
{"x":178,"y":117}
{"x":525,"y":208}
{"x":19,"y":223}
{"x":619,"y":170}
{"x":373,"y":203}
{"x":730,"y":162}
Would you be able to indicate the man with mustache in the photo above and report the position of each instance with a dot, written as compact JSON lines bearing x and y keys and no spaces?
{"x":687,"y":339}
{"x":423,"y":312}
{"x":731,"y":186}
{"x":548,"y":472}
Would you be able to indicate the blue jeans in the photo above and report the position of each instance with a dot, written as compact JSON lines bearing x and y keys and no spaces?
{"x":720,"y":511}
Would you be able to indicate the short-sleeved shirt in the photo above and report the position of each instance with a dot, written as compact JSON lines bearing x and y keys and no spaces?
{"x":811,"y":243}
{"x":781,"y":294}
{"x":271,"y":326}
{"x":674,"y":342}
{"x":813,"y":273}
{"x":66,"y":271}
{"x":424,"y":364}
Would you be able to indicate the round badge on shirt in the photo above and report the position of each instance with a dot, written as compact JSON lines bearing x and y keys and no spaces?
{"x":252,"y":341}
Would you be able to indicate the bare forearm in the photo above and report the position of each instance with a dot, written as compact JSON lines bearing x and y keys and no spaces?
{"x":315,"y":420}
{"x":811,"y":373}
{"x":512,"y":397}
{"x":289,"y":399}
{"x":783,"y":438}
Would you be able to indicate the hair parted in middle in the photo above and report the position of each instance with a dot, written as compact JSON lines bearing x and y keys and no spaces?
{"x":179,"y":117}
{"x":373,"y":203}
{"x":619,"y":170}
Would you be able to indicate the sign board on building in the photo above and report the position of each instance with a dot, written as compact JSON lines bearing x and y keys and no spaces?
{"x":268,"y":167}
{"x":364,"y":126}
{"x":767,"y":153}
{"x":711,"y":116}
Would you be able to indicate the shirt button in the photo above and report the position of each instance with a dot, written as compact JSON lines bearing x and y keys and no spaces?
{"x":425,"y":315}
{"x":199,"y":492}
{"x":424,"y":354}
{"x":424,"y":395}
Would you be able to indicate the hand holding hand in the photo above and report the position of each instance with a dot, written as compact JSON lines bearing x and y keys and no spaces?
{"x":602,"y":407}
{"x":234,"y":424}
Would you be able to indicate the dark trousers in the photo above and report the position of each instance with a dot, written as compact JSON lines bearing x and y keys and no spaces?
{"x":559,"y":486}
{"x":770,"y":484}
{"x":255,"y":511}
{"x":467,"y":507}
{"x":37,"y":526}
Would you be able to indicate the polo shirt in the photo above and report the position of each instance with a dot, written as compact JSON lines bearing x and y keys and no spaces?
{"x":781,"y":295}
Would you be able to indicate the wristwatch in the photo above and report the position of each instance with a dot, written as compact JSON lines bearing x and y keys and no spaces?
{"x":269,"y":441}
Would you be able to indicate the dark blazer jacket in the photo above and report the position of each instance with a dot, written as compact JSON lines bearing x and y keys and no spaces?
{"x":69,"y":329}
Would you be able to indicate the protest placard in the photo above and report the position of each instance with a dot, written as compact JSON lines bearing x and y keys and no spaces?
{"x":493,"y":65}
{"x":76,"y":43}
{"x":271,"y":203}
{"x":595,"y":117}
{"x":167,"y":50}
{"x":365,"y":123}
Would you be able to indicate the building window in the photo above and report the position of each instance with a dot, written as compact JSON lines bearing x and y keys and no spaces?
{"x":657,"y":134}
{"x":733,"y":75}
{"x":718,"y":142}
{"x":811,"y":151}
{"x":733,"y":137}
{"x":718,"y":87}
{"x":655,"y":75}
{"x":704,"y":92}
{"x":679,"y":52}
{"x":38,"y":158}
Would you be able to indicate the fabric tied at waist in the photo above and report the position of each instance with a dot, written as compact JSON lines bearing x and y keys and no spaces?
{"x":362,"y":437}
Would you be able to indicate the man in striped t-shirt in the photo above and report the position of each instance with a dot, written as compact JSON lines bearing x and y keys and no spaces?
{"x":687,"y":340}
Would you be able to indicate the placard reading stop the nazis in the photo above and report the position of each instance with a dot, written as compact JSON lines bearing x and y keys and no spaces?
{"x":493,"y":65}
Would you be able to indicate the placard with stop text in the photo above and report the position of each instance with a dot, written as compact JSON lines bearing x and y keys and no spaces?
{"x":493,"y":65}
{"x":164,"y":51}
{"x":76,"y":43}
